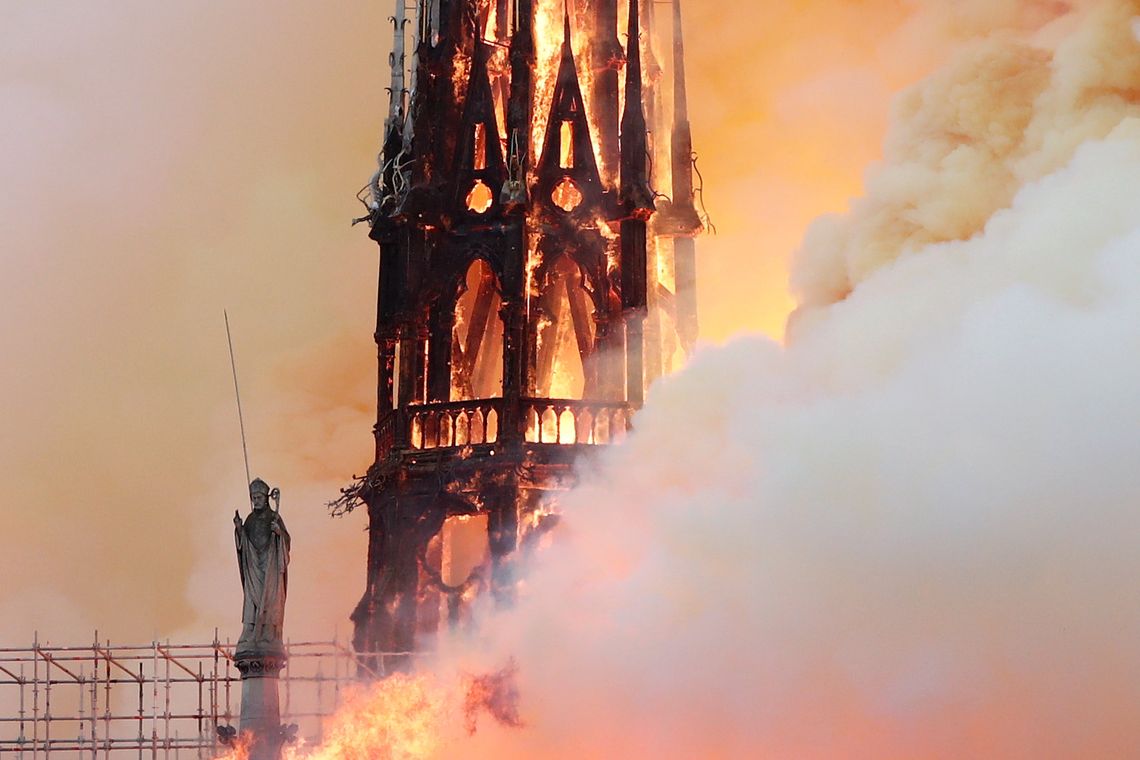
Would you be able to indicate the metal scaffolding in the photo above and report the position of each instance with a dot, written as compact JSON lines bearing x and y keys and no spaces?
{"x":158,"y":700}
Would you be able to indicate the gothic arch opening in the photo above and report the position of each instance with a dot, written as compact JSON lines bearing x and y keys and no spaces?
{"x":477,"y":337}
{"x":565,"y":332}
{"x":453,"y":562}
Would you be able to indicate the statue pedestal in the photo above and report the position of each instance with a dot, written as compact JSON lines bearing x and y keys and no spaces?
{"x":260,"y":723}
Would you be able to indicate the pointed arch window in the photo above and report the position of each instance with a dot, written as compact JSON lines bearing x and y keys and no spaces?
{"x":477,"y":338}
{"x":566,"y":333}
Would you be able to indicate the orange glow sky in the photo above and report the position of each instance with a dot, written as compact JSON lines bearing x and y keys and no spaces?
{"x":165,"y":161}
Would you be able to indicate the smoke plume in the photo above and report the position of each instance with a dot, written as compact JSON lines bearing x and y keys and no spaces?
{"x":912,"y":532}
{"x":165,"y":161}
{"x":908,"y":533}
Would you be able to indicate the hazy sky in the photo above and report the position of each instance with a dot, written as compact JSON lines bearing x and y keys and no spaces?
{"x":163,"y":161}
{"x":911,"y":533}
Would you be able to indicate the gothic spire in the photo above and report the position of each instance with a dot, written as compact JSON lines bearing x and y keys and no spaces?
{"x":396,"y":61}
{"x":417,"y":38}
{"x":682,"y":133}
{"x":680,"y":97}
{"x":635,"y":193}
{"x":684,"y":222}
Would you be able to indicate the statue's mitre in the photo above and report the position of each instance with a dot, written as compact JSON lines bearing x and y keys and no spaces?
{"x":258,"y":486}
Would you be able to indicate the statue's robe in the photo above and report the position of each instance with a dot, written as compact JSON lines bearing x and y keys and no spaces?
{"x":263,"y":558}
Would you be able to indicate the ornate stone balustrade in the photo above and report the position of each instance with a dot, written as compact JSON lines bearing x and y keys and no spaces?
{"x":565,"y":421}
{"x":456,"y":424}
{"x":471,"y":423}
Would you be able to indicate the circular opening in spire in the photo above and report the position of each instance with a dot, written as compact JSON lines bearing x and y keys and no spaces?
{"x":480,"y":198}
{"x":566,"y":195}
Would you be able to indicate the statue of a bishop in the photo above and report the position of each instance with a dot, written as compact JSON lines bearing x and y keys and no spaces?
{"x":263,"y":560}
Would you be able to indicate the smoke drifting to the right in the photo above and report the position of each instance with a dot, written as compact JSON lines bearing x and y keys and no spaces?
{"x":914,"y":531}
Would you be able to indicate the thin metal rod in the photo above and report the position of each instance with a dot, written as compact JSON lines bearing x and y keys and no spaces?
{"x":237,"y":395}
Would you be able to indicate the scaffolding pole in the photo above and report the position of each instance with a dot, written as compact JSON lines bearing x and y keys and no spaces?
{"x":154,"y":700}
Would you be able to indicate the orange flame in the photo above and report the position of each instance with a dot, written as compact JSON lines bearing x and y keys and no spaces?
{"x":238,"y":751}
{"x":401,"y":718}
{"x":406,"y":717}
{"x":548,"y":44}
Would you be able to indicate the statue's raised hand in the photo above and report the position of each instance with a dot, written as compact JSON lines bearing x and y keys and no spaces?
{"x":237,"y":519}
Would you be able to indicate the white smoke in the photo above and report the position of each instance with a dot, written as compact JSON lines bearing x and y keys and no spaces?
{"x":915,"y":531}
{"x":910,"y":533}
{"x":1006,"y":112}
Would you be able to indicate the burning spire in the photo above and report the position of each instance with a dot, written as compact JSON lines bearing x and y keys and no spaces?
{"x":504,"y":252}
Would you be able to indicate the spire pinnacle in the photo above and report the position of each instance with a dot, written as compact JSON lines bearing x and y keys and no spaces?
{"x":396,"y":62}
{"x":565,"y":25}
{"x":682,"y":148}
{"x":680,"y":97}
{"x":635,"y":192}
{"x":633,"y":55}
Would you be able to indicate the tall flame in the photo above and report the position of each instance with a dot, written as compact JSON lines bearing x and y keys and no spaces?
{"x":548,"y":43}
{"x":400,"y":718}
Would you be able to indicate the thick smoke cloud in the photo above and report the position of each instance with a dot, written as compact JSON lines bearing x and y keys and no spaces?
{"x":161,"y":162}
{"x":1009,"y":111}
{"x":165,"y":161}
{"x":913,"y":531}
{"x":909,"y":533}
{"x":790,"y":104}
